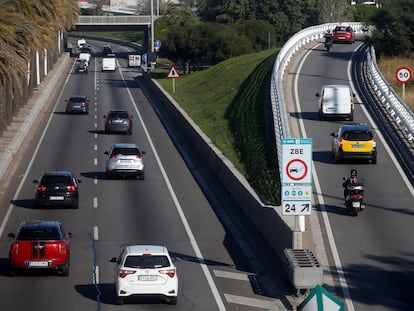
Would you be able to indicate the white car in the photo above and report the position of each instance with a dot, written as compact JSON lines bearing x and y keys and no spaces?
{"x":145,"y":270}
{"x":125,"y":159}
{"x":336,"y":101}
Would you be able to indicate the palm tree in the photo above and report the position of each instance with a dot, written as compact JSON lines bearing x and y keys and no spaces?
{"x":27,"y":26}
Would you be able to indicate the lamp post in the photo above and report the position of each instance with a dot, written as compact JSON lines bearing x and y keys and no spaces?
{"x":152,"y":25}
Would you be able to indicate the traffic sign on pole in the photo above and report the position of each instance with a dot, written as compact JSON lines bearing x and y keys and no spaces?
{"x":297,"y":160}
{"x":403,"y":74}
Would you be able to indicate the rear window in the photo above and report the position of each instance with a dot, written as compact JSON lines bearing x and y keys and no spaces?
{"x":39,"y":234}
{"x":77,"y":99}
{"x":358,"y":135}
{"x":56,"y":180}
{"x":122,"y":115}
{"x":125,"y":151}
{"x":147,"y":262}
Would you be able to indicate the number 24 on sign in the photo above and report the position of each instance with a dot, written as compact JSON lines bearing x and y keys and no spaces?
{"x":296,"y":208}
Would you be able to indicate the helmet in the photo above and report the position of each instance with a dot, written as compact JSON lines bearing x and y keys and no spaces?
{"x":328,"y":31}
{"x":354,"y":172}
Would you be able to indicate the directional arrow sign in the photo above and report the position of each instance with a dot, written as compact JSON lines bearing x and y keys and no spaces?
{"x":321,"y":300}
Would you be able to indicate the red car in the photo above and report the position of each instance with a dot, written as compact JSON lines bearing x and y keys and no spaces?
{"x":40,"y":245}
{"x":343,"y":34}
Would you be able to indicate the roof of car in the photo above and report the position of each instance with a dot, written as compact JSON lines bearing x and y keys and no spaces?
{"x":57,"y":173}
{"x":146,"y":249}
{"x":336,"y":86}
{"x":355,"y":127}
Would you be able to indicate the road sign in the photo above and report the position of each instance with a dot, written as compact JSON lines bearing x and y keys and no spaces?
{"x":296,"y":193}
{"x":297,"y":208}
{"x":297,"y":160}
{"x":173,"y":73}
{"x":144,"y":58}
{"x":320,"y":299}
{"x":403,"y":75}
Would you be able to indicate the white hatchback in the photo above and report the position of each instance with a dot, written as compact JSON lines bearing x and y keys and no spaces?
{"x":336,"y":101}
{"x":145,"y":270}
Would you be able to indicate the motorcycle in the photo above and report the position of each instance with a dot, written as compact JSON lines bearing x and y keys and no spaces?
{"x":354,"y":198}
{"x":328,"y":43}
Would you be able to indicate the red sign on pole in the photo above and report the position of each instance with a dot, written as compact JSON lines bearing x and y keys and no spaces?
{"x":403,"y":74}
{"x":173,"y":73}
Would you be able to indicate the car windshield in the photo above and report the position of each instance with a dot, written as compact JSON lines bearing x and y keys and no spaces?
{"x":56,"y":180}
{"x":147,"y":262}
{"x":357,"y":135}
{"x":26,"y":234}
{"x":125,"y":151}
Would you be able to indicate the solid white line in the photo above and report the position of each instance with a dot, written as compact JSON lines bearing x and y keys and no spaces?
{"x":252,"y":302}
{"x":180,"y":211}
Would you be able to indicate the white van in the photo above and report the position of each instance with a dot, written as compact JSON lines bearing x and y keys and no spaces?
{"x":336,"y":101}
{"x":109,"y":62}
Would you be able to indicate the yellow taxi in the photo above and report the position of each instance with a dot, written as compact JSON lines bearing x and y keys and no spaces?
{"x":354,"y":141}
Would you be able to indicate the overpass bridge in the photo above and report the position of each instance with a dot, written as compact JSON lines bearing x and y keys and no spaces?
{"x":135,"y":23}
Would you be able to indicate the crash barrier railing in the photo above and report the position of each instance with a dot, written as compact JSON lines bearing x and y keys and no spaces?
{"x":398,"y":110}
{"x":400,"y":113}
{"x":298,"y":40}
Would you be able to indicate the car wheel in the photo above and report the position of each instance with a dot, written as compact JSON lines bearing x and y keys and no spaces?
{"x":109,"y":176}
{"x":172,"y":300}
{"x":75,"y":206}
{"x":374,"y":161}
{"x":12,"y":272}
{"x":142,"y":176}
{"x":129,"y":132}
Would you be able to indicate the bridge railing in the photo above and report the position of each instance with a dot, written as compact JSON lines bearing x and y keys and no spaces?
{"x":402,"y":114}
{"x":114,"y":20}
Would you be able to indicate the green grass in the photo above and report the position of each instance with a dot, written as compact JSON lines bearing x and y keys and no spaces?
{"x":228,"y":102}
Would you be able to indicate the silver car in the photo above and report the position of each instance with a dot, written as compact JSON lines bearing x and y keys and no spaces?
{"x":125,"y":160}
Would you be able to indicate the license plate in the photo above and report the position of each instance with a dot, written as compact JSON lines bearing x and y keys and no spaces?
{"x":147,"y":277}
{"x":356,"y":204}
{"x":38,"y":264}
{"x":56,"y":198}
{"x":357,"y":146}
{"x":76,"y":106}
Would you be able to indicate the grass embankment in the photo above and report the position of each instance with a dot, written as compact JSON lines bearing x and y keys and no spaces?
{"x":388,"y":67}
{"x":228,"y":102}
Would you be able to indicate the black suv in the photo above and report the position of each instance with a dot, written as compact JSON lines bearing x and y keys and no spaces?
{"x":118,"y":121}
{"x":57,"y":188}
{"x":106,"y":50}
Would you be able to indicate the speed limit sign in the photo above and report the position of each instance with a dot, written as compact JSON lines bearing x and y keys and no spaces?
{"x":403,"y":74}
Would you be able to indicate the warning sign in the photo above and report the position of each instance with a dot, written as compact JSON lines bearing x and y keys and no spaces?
{"x":173,"y":73}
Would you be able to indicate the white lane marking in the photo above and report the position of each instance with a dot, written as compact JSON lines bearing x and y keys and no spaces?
{"x":180,"y":211}
{"x":95,"y":125}
{"x":95,"y":233}
{"x":252,"y":302}
{"x":95,"y":161}
{"x":95,"y":181}
{"x":231,"y":275}
{"x":95,"y":147}
{"x":95,"y":275}
{"x":334,"y":250}
{"x":96,"y":135}
{"x":95,"y":202}
{"x":29,"y":166}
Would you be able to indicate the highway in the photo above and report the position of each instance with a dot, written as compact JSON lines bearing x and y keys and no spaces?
{"x":222,"y":263}
{"x":370,"y":256}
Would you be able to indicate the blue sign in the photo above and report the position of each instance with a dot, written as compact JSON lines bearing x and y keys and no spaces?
{"x":144,"y":58}
{"x":157,"y":43}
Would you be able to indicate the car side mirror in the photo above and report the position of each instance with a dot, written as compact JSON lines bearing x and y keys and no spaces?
{"x":79,"y":181}
{"x":35,"y":181}
{"x":106,"y":152}
{"x":143,"y":152}
{"x":317,"y":95}
{"x":113,"y":259}
{"x":69,"y":234}
{"x":332,"y":134}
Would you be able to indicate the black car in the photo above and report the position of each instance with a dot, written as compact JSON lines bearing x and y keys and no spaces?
{"x":107,"y":49}
{"x":77,"y":104}
{"x":57,"y":188}
{"x":118,"y":121}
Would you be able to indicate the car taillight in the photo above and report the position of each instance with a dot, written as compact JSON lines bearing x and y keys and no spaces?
{"x":123,"y":273}
{"x":83,"y":104}
{"x":111,"y":156}
{"x":374,"y":143}
{"x":340,"y":142}
{"x":14,"y":250}
{"x":170,"y":272}
{"x":41,"y":188}
{"x":62,"y":248}
{"x":71,"y":188}
{"x":129,"y":121}
{"x":108,"y":121}
{"x":139,"y":156}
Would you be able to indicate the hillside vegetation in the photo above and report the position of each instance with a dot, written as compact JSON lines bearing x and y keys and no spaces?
{"x":228,"y":102}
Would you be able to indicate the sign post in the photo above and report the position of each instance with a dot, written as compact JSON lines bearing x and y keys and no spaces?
{"x":173,"y":73}
{"x":297,"y":179}
{"x":403,"y":76}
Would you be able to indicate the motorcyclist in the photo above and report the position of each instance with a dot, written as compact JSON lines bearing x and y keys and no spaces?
{"x":353,"y":178}
{"x":328,"y":37}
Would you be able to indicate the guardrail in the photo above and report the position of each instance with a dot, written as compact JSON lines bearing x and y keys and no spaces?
{"x":402,"y":115}
{"x":114,"y":20}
